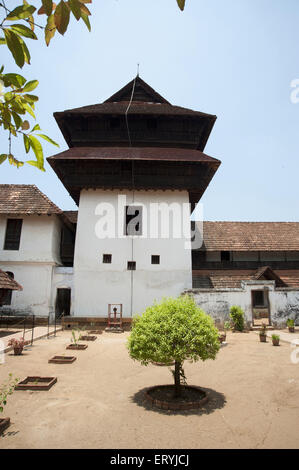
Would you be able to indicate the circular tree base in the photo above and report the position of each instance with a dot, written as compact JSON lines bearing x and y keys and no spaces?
{"x":162,"y":396}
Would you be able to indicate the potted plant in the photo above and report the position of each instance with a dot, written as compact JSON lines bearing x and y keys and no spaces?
{"x":18,"y":345}
{"x":263,"y":334}
{"x":291,"y":325}
{"x":275,"y":340}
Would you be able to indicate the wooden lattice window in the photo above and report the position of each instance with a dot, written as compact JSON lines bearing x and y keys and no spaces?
{"x":13,"y":234}
{"x":155,"y":259}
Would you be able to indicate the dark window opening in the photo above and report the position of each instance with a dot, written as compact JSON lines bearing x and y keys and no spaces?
{"x":63,"y":302}
{"x":131,"y":265}
{"x":7,"y":298}
{"x":114,"y":123}
{"x":13,"y":234}
{"x":155,"y":259}
{"x":225,"y":255}
{"x":258,"y":298}
{"x":107,"y":259}
{"x":133,"y":220}
{"x":152,"y":124}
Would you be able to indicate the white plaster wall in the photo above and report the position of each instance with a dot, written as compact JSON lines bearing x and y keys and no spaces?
{"x":36,"y":280}
{"x":39,"y":240}
{"x":63,"y":278}
{"x":284,"y":303}
{"x":97,"y":284}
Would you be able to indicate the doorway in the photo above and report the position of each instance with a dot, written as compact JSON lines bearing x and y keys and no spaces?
{"x":260,"y":307}
{"x":63,"y":302}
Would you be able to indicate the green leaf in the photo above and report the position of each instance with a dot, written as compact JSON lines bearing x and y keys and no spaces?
{"x":50,"y":29}
{"x":30,"y":98}
{"x":15,"y":46}
{"x":25,"y":51}
{"x":14,"y":79}
{"x":181,"y":4}
{"x":3,"y":157}
{"x":36,"y":128}
{"x":21,"y":12}
{"x":75,"y":7}
{"x":26,"y":143}
{"x":6,"y":116}
{"x":13,"y":161}
{"x":86,"y":20}
{"x":28,"y":109}
{"x":23,"y":30}
{"x":34,"y":163}
{"x":2,"y":41}
{"x":43,"y":136}
{"x":38,"y":151}
{"x":48,"y":6}
{"x":18,"y":121}
{"x":62,"y":17}
{"x":30,"y":86}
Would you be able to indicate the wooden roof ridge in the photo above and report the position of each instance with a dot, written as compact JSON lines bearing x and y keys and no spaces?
{"x":149,"y":92}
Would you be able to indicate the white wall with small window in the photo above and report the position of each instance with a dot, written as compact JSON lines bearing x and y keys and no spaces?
{"x":30,"y":250}
{"x":113,"y":267}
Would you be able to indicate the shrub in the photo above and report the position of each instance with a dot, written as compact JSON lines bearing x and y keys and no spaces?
{"x":237,"y":318}
{"x":290,"y":322}
{"x":6,"y":389}
{"x":275,"y":337}
{"x":173,"y":331}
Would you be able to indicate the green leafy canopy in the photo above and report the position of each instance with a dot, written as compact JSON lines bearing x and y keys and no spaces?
{"x":173,"y":330}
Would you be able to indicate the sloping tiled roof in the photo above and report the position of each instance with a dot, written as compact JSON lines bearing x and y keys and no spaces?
{"x":134,"y":153}
{"x":251,"y":236}
{"x":25,"y":199}
{"x":137,"y":107}
{"x":231,"y":278}
{"x":7,"y":282}
{"x":145,"y":101}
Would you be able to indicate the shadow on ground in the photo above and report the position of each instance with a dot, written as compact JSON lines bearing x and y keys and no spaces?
{"x":216,"y":401}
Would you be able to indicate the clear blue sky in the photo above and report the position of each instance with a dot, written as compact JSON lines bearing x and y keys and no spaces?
{"x":232,"y":58}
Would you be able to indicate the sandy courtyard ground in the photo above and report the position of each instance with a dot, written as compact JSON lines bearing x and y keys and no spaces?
{"x":97,"y":401}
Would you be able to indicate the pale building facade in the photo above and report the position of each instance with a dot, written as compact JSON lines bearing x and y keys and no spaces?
{"x":135,"y":167}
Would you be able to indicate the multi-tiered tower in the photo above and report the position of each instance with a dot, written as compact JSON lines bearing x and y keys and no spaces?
{"x":133,"y":161}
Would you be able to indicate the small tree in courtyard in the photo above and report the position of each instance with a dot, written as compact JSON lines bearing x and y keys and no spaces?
{"x":173,"y":331}
{"x":237,"y":318}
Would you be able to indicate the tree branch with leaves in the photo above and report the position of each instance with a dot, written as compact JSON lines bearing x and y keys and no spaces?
{"x":17,"y":104}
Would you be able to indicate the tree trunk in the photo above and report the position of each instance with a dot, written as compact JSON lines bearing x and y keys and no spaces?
{"x":177,"y":379}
